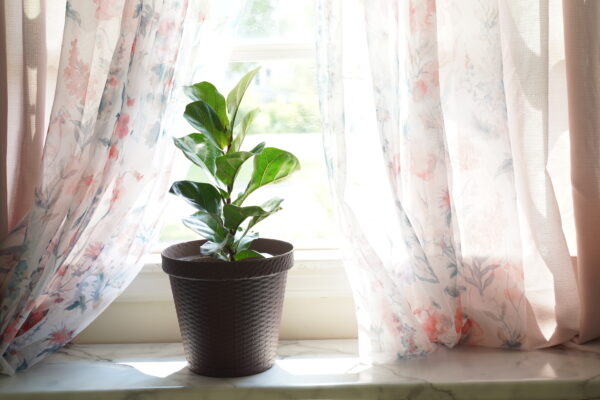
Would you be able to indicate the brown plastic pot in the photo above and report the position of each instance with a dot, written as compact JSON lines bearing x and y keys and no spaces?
{"x":229,"y":312}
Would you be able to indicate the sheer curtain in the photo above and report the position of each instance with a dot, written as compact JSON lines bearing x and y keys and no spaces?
{"x":446,"y":128}
{"x":104,"y":170}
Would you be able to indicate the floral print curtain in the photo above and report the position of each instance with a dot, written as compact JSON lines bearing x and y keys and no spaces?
{"x":447,"y":144}
{"x":105,"y":171}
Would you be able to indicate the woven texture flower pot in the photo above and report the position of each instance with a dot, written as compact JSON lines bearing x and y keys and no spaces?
{"x":229,"y":312}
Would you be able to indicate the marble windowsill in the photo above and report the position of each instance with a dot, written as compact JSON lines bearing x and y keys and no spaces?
{"x":318,"y":369}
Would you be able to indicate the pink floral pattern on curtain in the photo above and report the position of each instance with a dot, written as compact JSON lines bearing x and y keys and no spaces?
{"x":442,"y":157}
{"x":105,"y":167}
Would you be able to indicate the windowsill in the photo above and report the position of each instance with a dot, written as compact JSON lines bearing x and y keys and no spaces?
{"x":312,"y":370}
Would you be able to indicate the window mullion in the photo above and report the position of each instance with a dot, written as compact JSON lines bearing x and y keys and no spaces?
{"x":249,"y":52}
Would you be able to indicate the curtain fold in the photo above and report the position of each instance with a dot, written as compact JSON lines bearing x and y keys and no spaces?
{"x":30,"y":35}
{"x":104,"y":171}
{"x":582,"y":44}
{"x":528,"y":56}
{"x":447,"y":143}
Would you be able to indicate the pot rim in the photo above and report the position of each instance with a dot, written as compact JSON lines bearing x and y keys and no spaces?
{"x":212,"y":269}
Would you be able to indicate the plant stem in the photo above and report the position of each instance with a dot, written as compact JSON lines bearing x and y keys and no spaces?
{"x":229,"y":248}
{"x":229,"y":191}
{"x":230,"y":254}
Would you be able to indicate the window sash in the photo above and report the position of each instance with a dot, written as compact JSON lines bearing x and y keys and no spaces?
{"x":265,"y":51}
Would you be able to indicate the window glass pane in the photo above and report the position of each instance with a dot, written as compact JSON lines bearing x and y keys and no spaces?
{"x":286,"y":93}
{"x":281,"y":20}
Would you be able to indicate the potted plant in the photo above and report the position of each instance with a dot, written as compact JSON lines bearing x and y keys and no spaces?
{"x":228,"y":288}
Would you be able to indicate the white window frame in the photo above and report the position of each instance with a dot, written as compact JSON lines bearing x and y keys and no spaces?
{"x":318,"y":302}
{"x":255,"y":52}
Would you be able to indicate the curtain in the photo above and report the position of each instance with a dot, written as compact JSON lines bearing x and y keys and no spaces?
{"x":104,"y":171}
{"x":449,"y":143}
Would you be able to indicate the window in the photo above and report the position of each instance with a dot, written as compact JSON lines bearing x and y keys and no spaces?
{"x":279,"y":36}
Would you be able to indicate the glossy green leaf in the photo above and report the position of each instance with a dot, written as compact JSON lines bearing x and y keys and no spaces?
{"x":244,"y":254}
{"x":203,"y":196}
{"x":270,"y":165}
{"x":233,"y":215}
{"x":246,"y":122}
{"x":199,"y":150}
{"x":217,"y":250}
{"x":234,"y":98}
{"x":202,"y":117}
{"x":207,"y":250}
{"x":208,"y":93}
{"x":258,"y":148}
{"x":269,"y":208}
{"x":223,"y":193}
{"x":208,"y":225}
{"x":243,"y":240}
{"x":229,"y":165}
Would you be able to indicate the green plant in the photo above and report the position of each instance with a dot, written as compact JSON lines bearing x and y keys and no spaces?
{"x":216,"y":148}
